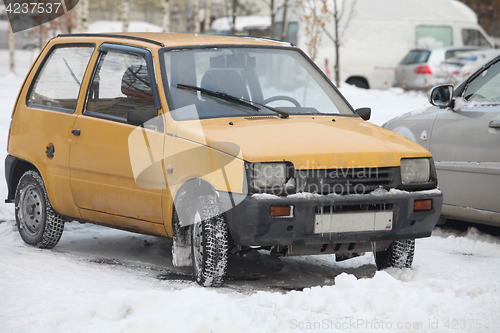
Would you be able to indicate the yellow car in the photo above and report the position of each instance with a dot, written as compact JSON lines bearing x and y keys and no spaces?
{"x":224,"y":144}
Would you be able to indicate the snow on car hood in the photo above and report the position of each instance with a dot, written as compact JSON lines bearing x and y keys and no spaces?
{"x":306,"y":141}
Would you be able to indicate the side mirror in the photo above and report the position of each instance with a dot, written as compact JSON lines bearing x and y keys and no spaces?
{"x":139,"y":117}
{"x":364,"y":113}
{"x":441,"y":96}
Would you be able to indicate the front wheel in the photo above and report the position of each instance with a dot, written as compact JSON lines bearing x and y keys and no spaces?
{"x":209,"y":242}
{"x":399,"y":254}
{"x":37,"y":222}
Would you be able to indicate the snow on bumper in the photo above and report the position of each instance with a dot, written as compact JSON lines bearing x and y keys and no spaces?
{"x":250,"y":223}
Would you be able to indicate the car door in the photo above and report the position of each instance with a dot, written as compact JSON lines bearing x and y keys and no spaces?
{"x":465,"y":145}
{"x":102,"y":179}
{"x":42,"y":123}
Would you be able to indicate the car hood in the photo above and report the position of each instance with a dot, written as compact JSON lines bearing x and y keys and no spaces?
{"x":308,"y":142}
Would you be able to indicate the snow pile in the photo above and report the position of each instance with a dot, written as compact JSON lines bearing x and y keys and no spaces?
{"x":358,"y":305}
{"x":385,"y":104}
{"x":454,"y":278}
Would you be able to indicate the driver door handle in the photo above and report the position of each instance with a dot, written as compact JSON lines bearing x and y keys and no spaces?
{"x":494,"y":123}
{"x":76,"y":132}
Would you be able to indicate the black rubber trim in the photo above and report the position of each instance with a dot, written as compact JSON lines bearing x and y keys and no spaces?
{"x":147,"y":40}
{"x":10,"y":166}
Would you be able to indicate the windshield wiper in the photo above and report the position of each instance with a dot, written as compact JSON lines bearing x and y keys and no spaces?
{"x":233,"y":99}
{"x":72,"y":73}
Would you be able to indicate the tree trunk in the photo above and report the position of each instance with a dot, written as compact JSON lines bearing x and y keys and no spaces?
{"x":125,"y":15}
{"x":78,"y":18}
{"x":283,"y":22}
{"x":12,"y":51}
{"x":85,"y":15}
{"x":208,"y":16}
{"x":337,"y":43}
{"x":233,"y":26}
{"x":196,"y":16}
{"x":165,"y":10}
{"x":271,"y":29}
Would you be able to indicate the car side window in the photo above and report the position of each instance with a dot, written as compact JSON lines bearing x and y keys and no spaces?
{"x":486,"y":86}
{"x":121,"y":83}
{"x":57,"y":84}
{"x":474,"y":37}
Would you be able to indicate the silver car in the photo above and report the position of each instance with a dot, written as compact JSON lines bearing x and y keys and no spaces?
{"x":462,"y":131}
{"x":422,"y":68}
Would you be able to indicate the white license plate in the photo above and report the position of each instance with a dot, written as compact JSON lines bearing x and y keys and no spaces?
{"x":353,"y":222}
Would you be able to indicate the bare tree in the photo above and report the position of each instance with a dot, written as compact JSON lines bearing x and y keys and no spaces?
{"x":125,"y":14}
{"x":12,"y":51}
{"x":196,"y":16}
{"x":165,"y":10}
{"x":208,"y":15}
{"x":85,"y":15}
{"x":273,"y":14}
{"x":340,"y":26}
{"x":233,"y":17}
{"x":314,"y":15}
{"x":283,"y":22}
{"x":273,"y":9}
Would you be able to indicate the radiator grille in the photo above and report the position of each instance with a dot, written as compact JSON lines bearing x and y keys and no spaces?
{"x":346,"y":181}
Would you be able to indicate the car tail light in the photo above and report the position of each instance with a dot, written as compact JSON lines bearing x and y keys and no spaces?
{"x":8,"y":136}
{"x":424,"y":69}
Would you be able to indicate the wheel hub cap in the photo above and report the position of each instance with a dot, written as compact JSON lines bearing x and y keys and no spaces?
{"x":31,"y":210}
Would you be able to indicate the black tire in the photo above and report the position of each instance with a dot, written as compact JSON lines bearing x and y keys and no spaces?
{"x":209,"y":242}
{"x":442,"y":220}
{"x":399,"y":255}
{"x":38,"y":224}
{"x":358,"y":83}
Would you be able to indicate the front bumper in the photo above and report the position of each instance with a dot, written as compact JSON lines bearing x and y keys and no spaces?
{"x":250,"y":223}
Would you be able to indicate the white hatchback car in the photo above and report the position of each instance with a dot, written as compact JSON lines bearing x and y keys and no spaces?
{"x":422,"y":68}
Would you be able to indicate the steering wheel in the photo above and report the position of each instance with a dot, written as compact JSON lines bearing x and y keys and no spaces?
{"x":281,"y":98}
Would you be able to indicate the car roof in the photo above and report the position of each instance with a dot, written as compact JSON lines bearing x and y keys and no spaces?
{"x":183,"y":39}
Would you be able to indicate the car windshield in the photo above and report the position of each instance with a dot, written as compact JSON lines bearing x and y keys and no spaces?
{"x":484,"y":88}
{"x":242,"y":81}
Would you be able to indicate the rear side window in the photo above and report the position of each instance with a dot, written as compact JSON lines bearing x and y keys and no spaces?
{"x":57,"y":84}
{"x":474,"y":37}
{"x":416,"y":57}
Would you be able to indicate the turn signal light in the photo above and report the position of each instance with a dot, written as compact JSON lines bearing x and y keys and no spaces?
{"x":422,"y":205}
{"x":281,"y":211}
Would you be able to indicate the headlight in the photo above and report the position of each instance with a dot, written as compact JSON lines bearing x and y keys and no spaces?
{"x":415,"y":170}
{"x":269,"y":174}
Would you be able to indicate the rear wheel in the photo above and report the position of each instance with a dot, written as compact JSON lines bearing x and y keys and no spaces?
{"x":37,"y":222}
{"x":399,"y":254}
{"x":209,"y":242}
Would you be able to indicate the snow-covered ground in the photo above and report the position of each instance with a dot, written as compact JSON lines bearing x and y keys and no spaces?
{"x":103,"y":280}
